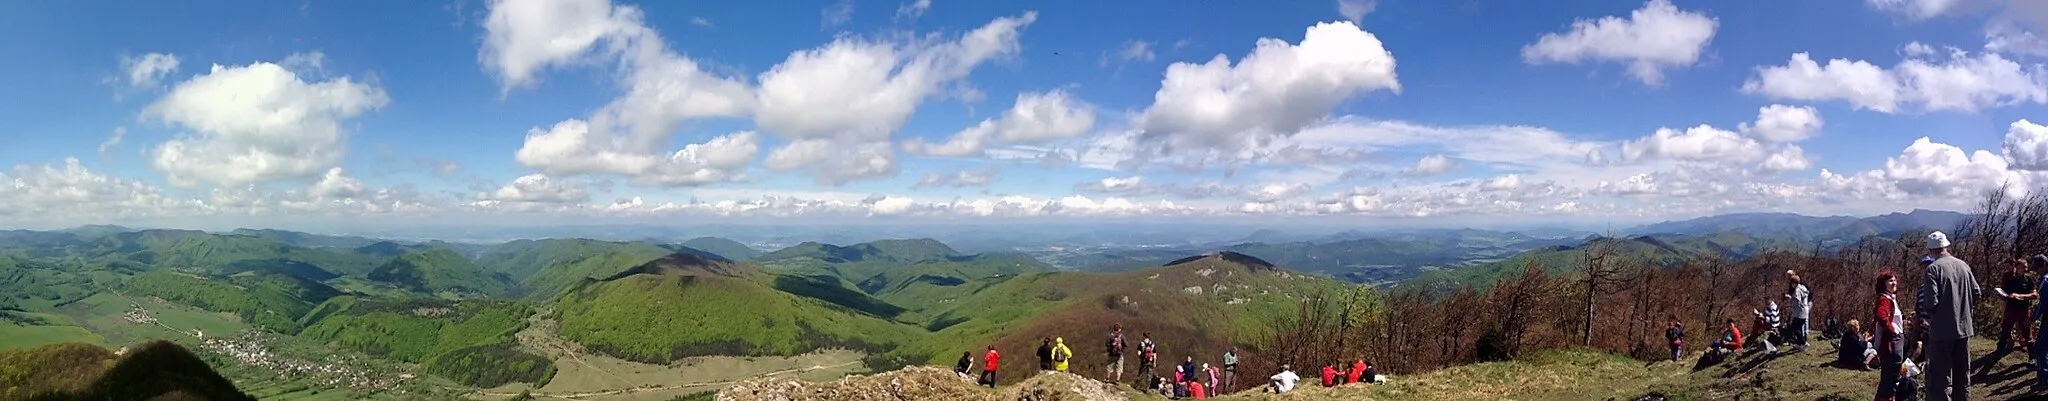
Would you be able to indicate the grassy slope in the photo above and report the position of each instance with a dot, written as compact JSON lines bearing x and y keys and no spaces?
{"x":1014,"y":314}
{"x":566,"y":272}
{"x":662,"y":317}
{"x":272,"y":301}
{"x":470,"y":342}
{"x":200,"y":250}
{"x":76,"y":371}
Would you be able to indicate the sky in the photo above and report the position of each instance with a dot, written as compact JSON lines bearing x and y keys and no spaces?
{"x":1458,"y":113}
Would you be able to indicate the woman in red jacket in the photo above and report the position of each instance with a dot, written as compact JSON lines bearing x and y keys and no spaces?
{"x":1891,"y":330}
{"x":988,"y":367}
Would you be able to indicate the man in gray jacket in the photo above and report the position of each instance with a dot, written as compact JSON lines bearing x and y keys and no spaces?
{"x":1945,"y":304}
{"x":1801,"y":302}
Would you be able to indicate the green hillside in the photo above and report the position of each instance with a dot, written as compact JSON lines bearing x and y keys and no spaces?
{"x":78,"y":371}
{"x":272,"y":301}
{"x":438,"y":270}
{"x":1664,"y":250}
{"x":1197,"y":306}
{"x":520,"y":260}
{"x":198,"y":250}
{"x":684,"y":305}
{"x":921,"y":275}
{"x":723,"y":247}
{"x":468,"y":341}
{"x":566,"y":272}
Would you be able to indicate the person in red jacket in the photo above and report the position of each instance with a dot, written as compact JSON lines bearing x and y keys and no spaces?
{"x":1329,"y":376}
{"x":1196,"y":390}
{"x":1356,"y":373}
{"x":988,"y":367}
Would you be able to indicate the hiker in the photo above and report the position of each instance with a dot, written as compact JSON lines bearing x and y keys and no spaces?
{"x":1188,"y":366}
{"x":1044,"y":353}
{"x":1731,"y":340}
{"x":988,"y":367}
{"x":1891,"y":337}
{"x":1148,"y":356}
{"x":1115,"y":346}
{"x":1329,"y":376}
{"x":1945,"y":304}
{"x":1285,"y":380}
{"x":966,"y":362}
{"x":1371,"y":375}
{"x":1357,"y":371}
{"x":2040,"y":352}
{"x":1802,"y":310}
{"x":2017,"y":292}
{"x":1230,"y":369}
{"x":1769,"y":334}
{"x":1197,"y":391}
{"x":1211,"y":371}
{"x":1676,"y":333}
{"x":1060,"y":354}
{"x":1855,"y":352}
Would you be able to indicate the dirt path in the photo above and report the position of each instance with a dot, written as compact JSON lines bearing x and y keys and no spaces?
{"x":580,"y":395}
{"x":540,"y":335}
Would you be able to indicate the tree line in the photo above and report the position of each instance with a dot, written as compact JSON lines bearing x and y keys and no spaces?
{"x":1615,"y":301}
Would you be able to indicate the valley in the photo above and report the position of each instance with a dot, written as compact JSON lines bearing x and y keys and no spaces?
{"x":288,"y":315}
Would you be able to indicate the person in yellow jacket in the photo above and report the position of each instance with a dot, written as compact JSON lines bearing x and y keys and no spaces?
{"x":1060,"y":354}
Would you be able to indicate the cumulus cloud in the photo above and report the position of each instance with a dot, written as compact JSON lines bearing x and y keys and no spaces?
{"x":1963,"y":82}
{"x":1034,"y":119}
{"x":336,"y":184}
{"x":1431,"y":165}
{"x":1275,"y":91}
{"x":2026,"y":146}
{"x":524,"y":37}
{"x":537,"y":188}
{"x":256,"y":123}
{"x":148,"y":70}
{"x":1781,"y":123}
{"x":1129,"y":51}
{"x":857,"y":92}
{"x":1650,"y":40}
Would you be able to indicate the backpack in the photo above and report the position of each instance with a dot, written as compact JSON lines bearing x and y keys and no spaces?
{"x":1674,"y":332}
{"x":1116,"y":344}
{"x":1059,"y":354}
{"x":1150,"y":350}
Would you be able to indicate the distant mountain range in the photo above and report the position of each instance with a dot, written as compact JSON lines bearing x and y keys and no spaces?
{"x":1835,"y":229}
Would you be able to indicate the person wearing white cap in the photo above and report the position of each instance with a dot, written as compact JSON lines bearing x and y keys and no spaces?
{"x":1945,"y":306}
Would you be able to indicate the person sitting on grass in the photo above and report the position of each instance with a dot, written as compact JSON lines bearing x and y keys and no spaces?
{"x":1729,"y":343}
{"x":1284,"y":381}
{"x":1856,"y":352}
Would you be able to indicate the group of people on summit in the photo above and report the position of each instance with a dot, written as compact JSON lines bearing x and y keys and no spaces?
{"x":1936,"y":335}
{"x":1189,"y":380}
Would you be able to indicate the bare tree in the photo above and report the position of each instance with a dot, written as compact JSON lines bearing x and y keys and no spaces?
{"x":1598,"y":271}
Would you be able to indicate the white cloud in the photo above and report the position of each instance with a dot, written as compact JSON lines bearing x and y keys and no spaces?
{"x":148,"y":70}
{"x":1651,"y":39}
{"x":2026,"y":146}
{"x":1355,"y":10}
{"x":836,"y":14}
{"x":1035,"y":118}
{"x":537,"y":188}
{"x":1431,"y":165}
{"x":1131,"y":50}
{"x":256,"y":123}
{"x":960,"y":179}
{"x":336,"y":184}
{"x":913,"y":10}
{"x":1275,"y":91}
{"x":833,"y":163}
{"x":113,"y":140}
{"x":1781,"y":123}
{"x":1701,"y":143}
{"x":523,"y":37}
{"x":703,"y":22}
{"x":70,"y":193}
{"x":856,"y":93}
{"x":1962,"y":82}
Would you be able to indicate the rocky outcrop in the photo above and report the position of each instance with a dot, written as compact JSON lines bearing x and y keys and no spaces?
{"x":922,"y":383}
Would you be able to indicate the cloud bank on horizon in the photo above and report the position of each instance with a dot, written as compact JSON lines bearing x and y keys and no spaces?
{"x":596,"y":109}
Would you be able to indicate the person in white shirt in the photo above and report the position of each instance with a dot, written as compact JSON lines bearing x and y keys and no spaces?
{"x":1285,"y":380}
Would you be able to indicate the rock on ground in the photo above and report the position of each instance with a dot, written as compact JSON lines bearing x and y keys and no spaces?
{"x":921,"y":383}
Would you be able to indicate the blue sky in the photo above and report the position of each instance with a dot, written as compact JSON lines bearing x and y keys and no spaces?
{"x":1451,"y":112}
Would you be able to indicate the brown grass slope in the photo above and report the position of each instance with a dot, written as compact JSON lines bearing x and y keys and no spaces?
{"x":1237,"y":296}
{"x":155,"y":370}
{"x":921,"y":383}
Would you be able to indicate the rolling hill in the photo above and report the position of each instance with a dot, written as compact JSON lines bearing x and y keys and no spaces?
{"x":1808,"y":229}
{"x":919,"y":274}
{"x":439,"y":270}
{"x":686,"y":305}
{"x":77,"y":371}
{"x":723,"y":247}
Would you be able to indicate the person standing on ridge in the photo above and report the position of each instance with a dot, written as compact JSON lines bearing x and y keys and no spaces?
{"x":2018,"y":293}
{"x":1230,"y":369}
{"x":1116,"y":353}
{"x":1802,"y":310}
{"x":1044,"y":353}
{"x":1676,"y":333}
{"x":2040,"y":352}
{"x":988,"y":367}
{"x":1188,"y":367}
{"x":1211,"y":371}
{"x":1148,"y":357}
{"x":1945,"y":304}
{"x":1060,"y":354}
{"x":1891,"y":336}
